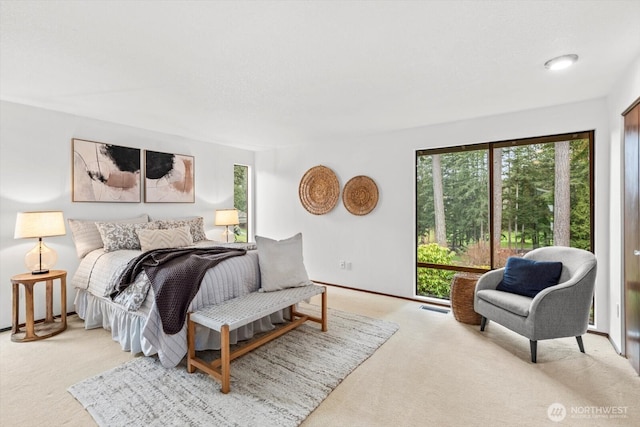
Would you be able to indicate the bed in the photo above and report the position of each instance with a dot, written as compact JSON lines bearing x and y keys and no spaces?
{"x":133,"y":317}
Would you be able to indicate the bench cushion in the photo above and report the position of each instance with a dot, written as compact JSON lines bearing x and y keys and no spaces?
{"x":243,"y":310}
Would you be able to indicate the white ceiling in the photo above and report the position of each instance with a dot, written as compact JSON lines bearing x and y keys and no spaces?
{"x":261,"y":74}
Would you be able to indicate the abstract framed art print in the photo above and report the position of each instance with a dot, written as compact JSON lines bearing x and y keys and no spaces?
{"x":105,"y":172}
{"x":169,"y":178}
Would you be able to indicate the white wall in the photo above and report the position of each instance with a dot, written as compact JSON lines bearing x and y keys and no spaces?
{"x":380,"y":246}
{"x":35,"y":174}
{"x":626,"y":91}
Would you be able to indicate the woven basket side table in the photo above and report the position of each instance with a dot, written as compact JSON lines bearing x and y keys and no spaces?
{"x":463,"y":289}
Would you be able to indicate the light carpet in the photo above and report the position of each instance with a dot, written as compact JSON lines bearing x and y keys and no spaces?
{"x":278,"y":384}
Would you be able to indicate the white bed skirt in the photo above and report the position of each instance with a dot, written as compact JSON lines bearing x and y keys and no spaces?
{"x":128,"y":328}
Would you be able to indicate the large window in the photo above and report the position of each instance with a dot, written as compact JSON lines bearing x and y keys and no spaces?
{"x":241,"y":201}
{"x":477,"y":205}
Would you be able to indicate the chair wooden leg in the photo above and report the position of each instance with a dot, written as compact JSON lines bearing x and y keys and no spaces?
{"x":579,"y":339}
{"x":534,"y":350}
{"x":483,"y":323}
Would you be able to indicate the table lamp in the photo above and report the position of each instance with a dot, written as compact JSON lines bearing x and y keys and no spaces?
{"x":31,"y":225}
{"x":227,"y":217}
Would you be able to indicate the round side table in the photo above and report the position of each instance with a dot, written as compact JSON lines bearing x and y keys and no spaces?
{"x":50,"y":327}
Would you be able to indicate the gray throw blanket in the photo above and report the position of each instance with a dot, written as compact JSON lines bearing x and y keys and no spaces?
{"x":175,"y":275}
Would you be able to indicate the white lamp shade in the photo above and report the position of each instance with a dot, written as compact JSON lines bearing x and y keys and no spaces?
{"x":227,"y":217}
{"x":39,"y":224}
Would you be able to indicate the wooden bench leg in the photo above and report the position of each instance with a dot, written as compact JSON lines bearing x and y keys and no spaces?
{"x":220,"y":369}
{"x":226,"y":359}
{"x":324,"y":310}
{"x":191,"y":344}
{"x":302,"y":317}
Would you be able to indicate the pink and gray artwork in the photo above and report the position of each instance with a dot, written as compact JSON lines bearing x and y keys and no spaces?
{"x":169,"y":178}
{"x":105,"y":172}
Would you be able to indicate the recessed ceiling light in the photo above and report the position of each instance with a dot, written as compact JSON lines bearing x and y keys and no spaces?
{"x":561,"y":62}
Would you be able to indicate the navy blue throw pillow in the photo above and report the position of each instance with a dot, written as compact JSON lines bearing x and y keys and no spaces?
{"x":527,"y":277}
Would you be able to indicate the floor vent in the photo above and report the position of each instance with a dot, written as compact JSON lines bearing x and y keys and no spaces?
{"x":436,"y":309}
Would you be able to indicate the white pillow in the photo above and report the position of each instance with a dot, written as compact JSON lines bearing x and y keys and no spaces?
{"x":116,"y":236}
{"x":196,"y":225}
{"x":281,"y":263}
{"x":160,"y":239}
{"x":86,"y":236}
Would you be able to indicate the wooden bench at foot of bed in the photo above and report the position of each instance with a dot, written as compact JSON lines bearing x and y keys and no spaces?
{"x":236,"y":312}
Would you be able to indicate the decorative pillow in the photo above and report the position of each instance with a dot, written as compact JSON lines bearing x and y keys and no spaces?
{"x":527,"y":277}
{"x":196,"y":226}
{"x":133,"y":295}
{"x":86,"y":236}
{"x":160,"y":239}
{"x":116,"y":236}
{"x":281,"y":263}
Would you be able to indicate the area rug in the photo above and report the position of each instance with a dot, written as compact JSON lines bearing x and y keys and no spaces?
{"x":278,"y":384}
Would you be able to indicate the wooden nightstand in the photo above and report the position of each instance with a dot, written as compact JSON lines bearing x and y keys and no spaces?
{"x":50,"y":326}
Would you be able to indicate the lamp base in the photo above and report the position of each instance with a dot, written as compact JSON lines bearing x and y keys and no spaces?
{"x":40,"y":259}
{"x":227,"y":233}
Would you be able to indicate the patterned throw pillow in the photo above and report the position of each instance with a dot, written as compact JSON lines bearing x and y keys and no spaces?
{"x":117,"y":236}
{"x":134,"y":295}
{"x":86,"y":236}
{"x":196,"y":226}
{"x":160,"y":239}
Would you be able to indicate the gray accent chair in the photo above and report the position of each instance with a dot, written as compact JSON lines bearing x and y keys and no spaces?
{"x":555,"y":312}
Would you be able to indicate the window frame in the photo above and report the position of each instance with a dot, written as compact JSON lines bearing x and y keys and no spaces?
{"x":490,"y":146}
{"x":249,"y":197}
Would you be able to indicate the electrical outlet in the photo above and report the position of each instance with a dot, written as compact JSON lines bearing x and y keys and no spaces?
{"x":348,"y":265}
{"x":342,"y":264}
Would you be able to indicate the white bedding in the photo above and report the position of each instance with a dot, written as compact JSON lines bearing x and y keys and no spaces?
{"x":141,"y":330}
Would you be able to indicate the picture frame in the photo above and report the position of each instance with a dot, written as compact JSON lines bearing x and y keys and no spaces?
{"x":169,"y":178}
{"x":103,"y":172}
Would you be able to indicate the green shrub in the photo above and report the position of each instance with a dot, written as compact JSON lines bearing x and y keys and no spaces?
{"x":435,"y":282}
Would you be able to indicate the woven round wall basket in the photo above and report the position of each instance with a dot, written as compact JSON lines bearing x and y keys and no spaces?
{"x":319,"y":190}
{"x":360,"y":195}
